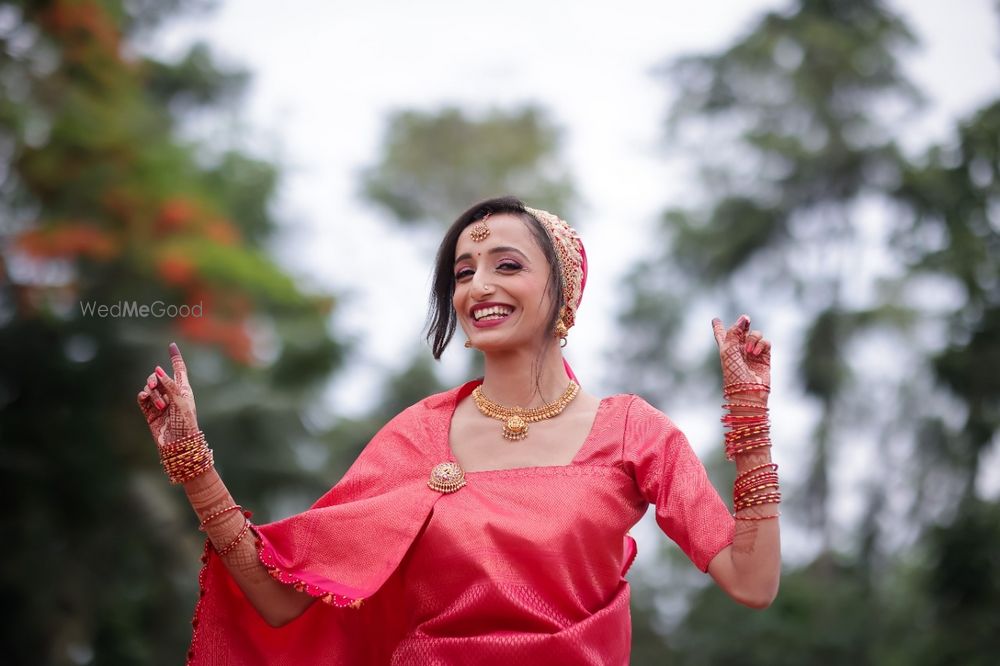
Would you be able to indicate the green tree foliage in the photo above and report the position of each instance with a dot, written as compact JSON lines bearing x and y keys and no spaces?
{"x":812,"y":207}
{"x":434,"y":165}
{"x":953,"y":194}
{"x":101,"y":202}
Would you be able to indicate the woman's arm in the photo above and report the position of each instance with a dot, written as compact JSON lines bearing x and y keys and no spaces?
{"x":168,"y":406}
{"x":749,"y":569}
{"x":277,"y":603}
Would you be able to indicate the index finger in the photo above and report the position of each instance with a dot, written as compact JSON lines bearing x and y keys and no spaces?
{"x":180,"y":370}
{"x":719,"y":330}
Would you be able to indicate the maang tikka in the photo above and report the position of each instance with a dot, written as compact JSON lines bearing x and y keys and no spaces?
{"x":480,"y":231}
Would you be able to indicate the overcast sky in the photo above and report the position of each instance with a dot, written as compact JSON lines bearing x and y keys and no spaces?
{"x":325,"y":74}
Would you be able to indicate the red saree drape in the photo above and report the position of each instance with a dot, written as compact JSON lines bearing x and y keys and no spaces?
{"x":521,"y":565}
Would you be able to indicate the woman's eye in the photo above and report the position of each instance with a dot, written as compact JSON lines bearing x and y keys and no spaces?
{"x":505,"y":265}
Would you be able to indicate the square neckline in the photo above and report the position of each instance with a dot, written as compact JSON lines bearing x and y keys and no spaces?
{"x":467,"y":389}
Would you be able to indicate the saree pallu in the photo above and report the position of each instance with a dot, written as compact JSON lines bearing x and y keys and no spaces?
{"x":523,"y":565}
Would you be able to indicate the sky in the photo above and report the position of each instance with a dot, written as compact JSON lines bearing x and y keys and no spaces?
{"x":326,"y":74}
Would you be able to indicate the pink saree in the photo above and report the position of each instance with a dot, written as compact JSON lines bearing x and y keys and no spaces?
{"x":522,"y":565}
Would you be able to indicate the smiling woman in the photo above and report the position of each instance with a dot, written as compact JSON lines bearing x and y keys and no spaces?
{"x":519,"y":254}
{"x":453,"y":539}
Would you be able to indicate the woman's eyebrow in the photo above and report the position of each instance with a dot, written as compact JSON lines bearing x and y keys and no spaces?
{"x":496,"y":250}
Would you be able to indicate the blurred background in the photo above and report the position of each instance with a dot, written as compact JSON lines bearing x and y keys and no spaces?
{"x":828,"y":166}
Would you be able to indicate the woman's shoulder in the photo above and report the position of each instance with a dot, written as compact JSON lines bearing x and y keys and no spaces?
{"x":445,"y":399}
{"x":640,"y":414}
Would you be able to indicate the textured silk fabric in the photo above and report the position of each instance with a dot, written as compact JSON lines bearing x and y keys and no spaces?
{"x":520,"y":566}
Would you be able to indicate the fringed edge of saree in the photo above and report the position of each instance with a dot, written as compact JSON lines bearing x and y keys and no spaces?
{"x":266,"y":556}
{"x":197,"y":606}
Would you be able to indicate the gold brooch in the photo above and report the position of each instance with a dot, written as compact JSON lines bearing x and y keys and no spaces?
{"x":447,"y":477}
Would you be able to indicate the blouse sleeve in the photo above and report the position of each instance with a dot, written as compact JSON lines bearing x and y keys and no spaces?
{"x":669,"y":475}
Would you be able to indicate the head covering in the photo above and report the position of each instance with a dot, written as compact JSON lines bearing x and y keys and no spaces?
{"x":572,"y":265}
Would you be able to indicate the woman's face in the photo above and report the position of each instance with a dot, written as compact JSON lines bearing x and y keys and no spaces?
{"x":507,"y":271}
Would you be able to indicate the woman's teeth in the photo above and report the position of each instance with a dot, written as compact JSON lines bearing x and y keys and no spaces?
{"x":492,"y":313}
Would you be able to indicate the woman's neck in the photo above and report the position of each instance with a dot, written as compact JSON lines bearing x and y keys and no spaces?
{"x":509,"y":378}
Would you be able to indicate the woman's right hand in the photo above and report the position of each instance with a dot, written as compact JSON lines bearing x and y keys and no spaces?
{"x":168,"y":403}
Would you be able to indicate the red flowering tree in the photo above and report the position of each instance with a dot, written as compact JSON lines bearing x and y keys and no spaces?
{"x":103,"y":204}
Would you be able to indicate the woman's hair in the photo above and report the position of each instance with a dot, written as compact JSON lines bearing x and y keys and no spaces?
{"x":441,"y":312}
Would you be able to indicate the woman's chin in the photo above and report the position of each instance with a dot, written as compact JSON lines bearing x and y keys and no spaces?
{"x":498,"y":344}
{"x":487,"y":342}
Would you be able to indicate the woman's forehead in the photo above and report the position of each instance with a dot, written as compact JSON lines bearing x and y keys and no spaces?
{"x":505,"y":229}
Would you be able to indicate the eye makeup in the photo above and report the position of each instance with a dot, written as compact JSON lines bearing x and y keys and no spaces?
{"x":506,"y":265}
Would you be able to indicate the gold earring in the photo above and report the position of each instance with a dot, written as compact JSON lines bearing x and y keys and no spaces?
{"x":468,"y":343}
{"x":560,"y":330}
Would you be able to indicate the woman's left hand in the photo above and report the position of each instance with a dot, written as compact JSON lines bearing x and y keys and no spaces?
{"x":745,"y":355}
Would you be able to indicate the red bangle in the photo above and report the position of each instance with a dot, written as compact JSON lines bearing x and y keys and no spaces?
{"x":769,"y":498}
{"x":763,"y":477}
{"x":749,"y":491}
{"x":739,"y":419}
{"x":201,"y":525}
{"x":731,"y":453}
{"x":239,"y":537}
{"x":744,"y":387}
{"x":757,"y":469}
{"x":773,"y":515}
{"x":751,"y":405}
{"x":746,"y":433}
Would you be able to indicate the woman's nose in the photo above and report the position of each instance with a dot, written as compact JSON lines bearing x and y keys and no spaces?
{"x":479,"y":284}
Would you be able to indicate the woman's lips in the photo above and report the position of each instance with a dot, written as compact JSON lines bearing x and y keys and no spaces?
{"x":489,"y":323}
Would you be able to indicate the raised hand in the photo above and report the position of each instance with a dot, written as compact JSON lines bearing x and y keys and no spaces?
{"x":168,"y":403}
{"x":745,"y":355}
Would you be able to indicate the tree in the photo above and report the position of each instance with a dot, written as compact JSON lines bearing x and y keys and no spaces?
{"x":812,"y":208}
{"x":436,"y":164}
{"x":102,"y":203}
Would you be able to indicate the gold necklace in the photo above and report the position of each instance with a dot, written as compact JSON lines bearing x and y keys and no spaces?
{"x":516,"y":419}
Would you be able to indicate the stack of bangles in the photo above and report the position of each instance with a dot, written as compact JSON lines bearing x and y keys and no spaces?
{"x":750,"y":431}
{"x":186,"y":458}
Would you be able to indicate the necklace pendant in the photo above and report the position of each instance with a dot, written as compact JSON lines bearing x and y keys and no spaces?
{"x":515,"y":428}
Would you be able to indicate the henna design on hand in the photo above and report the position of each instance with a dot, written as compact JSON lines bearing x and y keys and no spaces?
{"x":168,"y":403}
{"x":746,"y":358}
{"x":745,"y":539}
{"x":244,"y":559}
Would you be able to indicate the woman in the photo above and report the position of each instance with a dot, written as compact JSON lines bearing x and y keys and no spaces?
{"x":455,"y":538}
